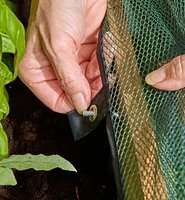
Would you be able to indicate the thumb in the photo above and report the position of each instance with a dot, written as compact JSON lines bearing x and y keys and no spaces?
{"x":169,"y":77}
{"x":70,"y":74}
{"x":75,"y":85}
{"x":73,"y":81}
{"x":61,"y":50}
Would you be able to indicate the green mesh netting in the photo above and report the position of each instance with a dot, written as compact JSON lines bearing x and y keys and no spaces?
{"x":139,"y":36}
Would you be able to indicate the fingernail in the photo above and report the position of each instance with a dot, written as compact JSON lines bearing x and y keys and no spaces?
{"x":79,"y":102}
{"x":148,"y":80}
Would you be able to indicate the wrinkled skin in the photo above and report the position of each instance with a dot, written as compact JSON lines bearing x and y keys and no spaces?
{"x":60,"y":64}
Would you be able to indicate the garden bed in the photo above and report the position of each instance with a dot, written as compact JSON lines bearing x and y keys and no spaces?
{"x":33,"y":128}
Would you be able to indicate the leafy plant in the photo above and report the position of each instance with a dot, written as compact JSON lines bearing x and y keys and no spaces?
{"x":12,"y":46}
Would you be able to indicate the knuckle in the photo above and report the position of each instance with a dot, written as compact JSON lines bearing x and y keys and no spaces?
{"x":62,"y":43}
{"x":57,"y":47}
{"x":178,"y":67}
{"x":68,"y":83}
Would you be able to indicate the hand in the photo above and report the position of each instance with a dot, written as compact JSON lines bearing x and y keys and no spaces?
{"x":169,"y":77}
{"x":60,"y":64}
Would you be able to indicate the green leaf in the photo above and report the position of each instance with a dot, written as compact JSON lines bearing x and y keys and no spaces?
{"x":7,"y":177}
{"x":2,"y":2}
{"x":4,"y":107}
{"x":11,"y":5}
{"x":6,"y":94}
{"x":37,"y":162}
{"x":12,"y":27}
{"x":7,"y":44}
{"x":5,"y":74}
{"x":1,"y":47}
{"x":1,"y":93}
{"x":4,"y":143}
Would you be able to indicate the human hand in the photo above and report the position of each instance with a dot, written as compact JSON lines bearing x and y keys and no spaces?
{"x":169,"y":77}
{"x":60,"y":65}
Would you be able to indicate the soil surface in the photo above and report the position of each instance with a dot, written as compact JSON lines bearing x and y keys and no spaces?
{"x":33,"y":128}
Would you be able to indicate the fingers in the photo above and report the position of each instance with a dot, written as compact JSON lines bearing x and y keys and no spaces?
{"x":69,"y":73}
{"x":36,"y":71}
{"x":169,"y":77}
{"x":38,"y":75}
{"x":63,"y":42}
{"x":61,"y":37}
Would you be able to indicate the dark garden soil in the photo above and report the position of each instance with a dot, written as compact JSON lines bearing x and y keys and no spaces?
{"x":33,"y":128}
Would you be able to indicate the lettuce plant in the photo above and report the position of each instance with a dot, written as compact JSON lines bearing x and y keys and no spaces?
{"x":12,"y":46}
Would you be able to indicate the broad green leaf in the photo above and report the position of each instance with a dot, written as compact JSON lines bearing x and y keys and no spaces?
{"x":7,"y":177}
{"x":7,"y":44}
{"x":12,"y":27}
{"x":4,"y":107}
{"x":1,"y":92}
{"x":1,"y":116}
{"x":11,"y":5}
{"x":2,"y":2}
{"x":4,"y":143}
{"x":1,"y":48}
{"x":5,"y":74}
{"x":37,"y":162}
{"x":6,"y":94}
